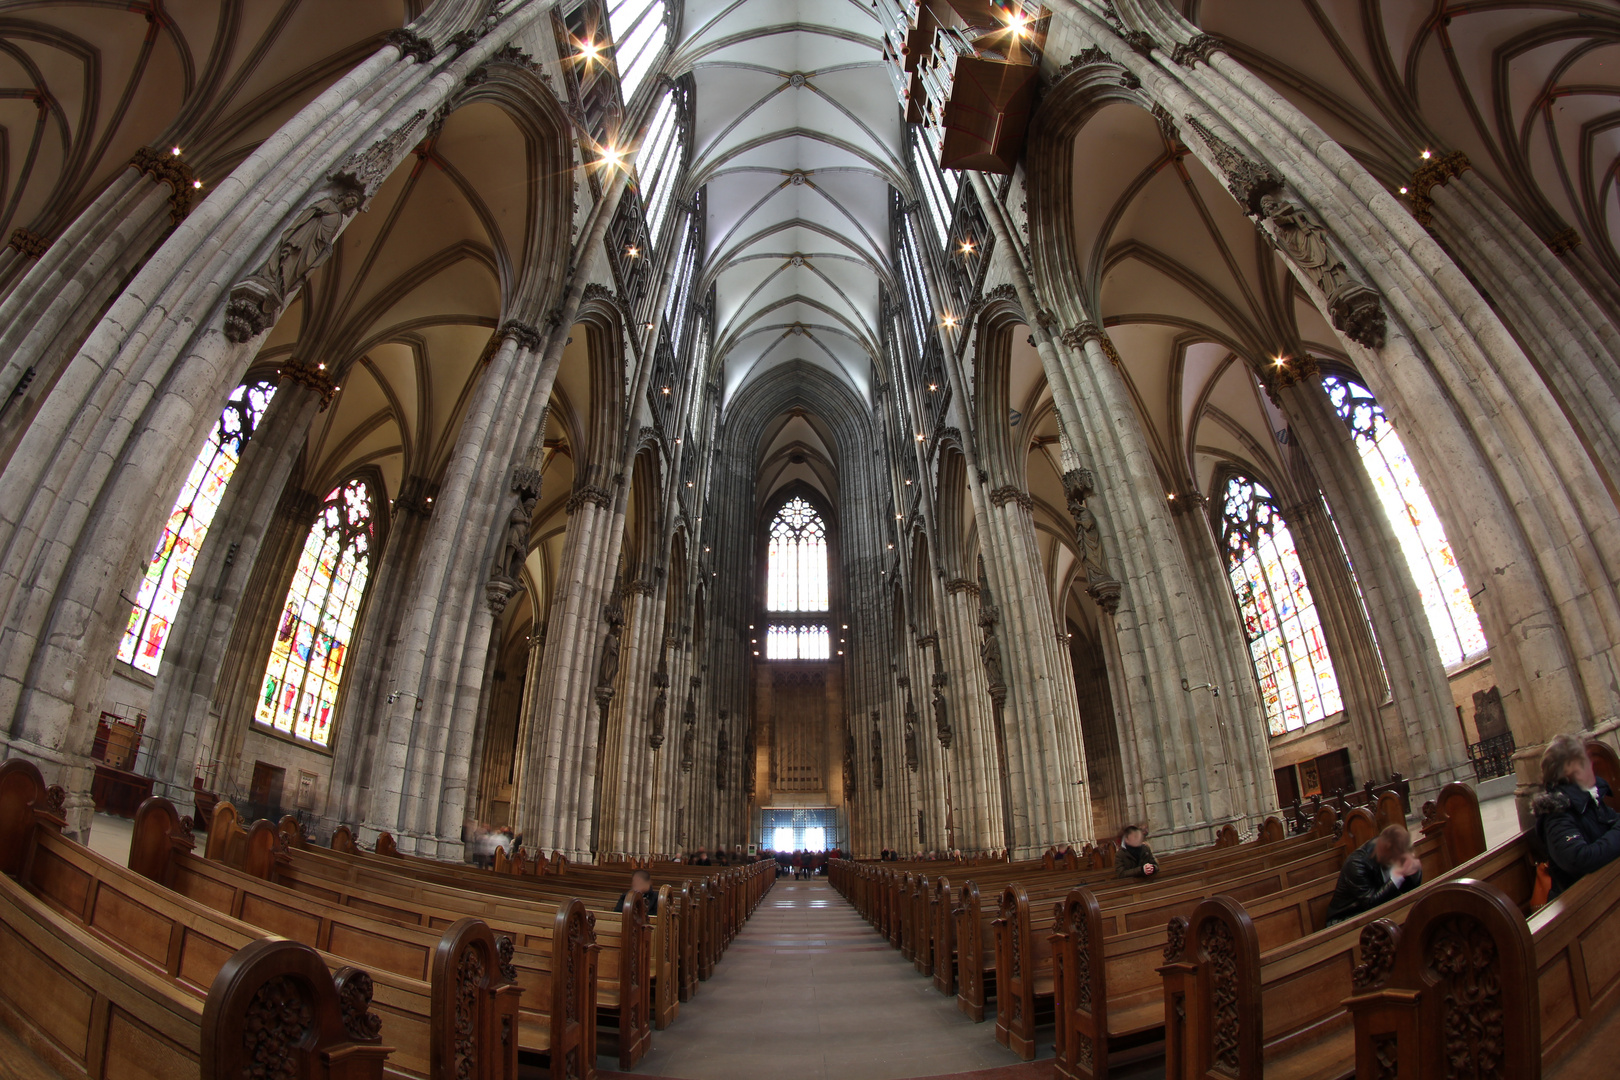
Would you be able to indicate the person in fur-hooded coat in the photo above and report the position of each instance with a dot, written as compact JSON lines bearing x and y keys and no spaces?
{"x":1577,"y":829}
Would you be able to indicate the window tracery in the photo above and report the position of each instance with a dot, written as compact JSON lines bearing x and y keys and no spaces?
{"x":640,"y":31}
{"x":1450,"y":610}
{"x":796,"y":581}
{"x":310,"y":652}
{"x":158,"y":599}
{"x":1298,"y":685}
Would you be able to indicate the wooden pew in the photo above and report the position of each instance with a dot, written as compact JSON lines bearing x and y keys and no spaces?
{"x":674,"y":907}
{"x":1280,"y":1012}
{"x":1026,"y":932}
{"x":555,"y":979}
{"x":101,"y":985}
{"x":1253,"y":870}
{"x":1470,"y":984}
{"x":384,"y":888}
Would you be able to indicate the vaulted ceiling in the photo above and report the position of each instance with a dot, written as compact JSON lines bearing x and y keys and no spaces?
{"x":798,"y":138}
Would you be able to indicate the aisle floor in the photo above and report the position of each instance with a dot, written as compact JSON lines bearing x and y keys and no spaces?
{"x":810,"y":991}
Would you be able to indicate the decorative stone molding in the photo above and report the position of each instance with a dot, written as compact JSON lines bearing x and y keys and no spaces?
{"x":311,"y":375}
{"x":1247,"y":180}
{"x":411,"y":44}
{"x":960,"y":585}
{"x":1129,"y":81}
{"x":28,"y":245}
{"x":415,"y":497}
{"x":1434,"y":173}
{"x":1076,"y":336}
{"x":1167,"y":123}
{"x":526,"y":482}
{"x":168,"y":168}
{"x":1003,"y":292}
{"x":1200,"y":48}
{"x":1278,"y":377}
{"x":1566,"y":241}
{"x":1006,"y":493}
{"x":1140,"y":41}
{"x":1085,"y":58}
{"x":256,"y":301}
{"x":497,"y":591}
{"x":588,"y":493}
{"x":525,"y":334}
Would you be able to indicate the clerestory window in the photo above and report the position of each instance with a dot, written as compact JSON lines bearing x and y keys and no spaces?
{"x":796,"y":584}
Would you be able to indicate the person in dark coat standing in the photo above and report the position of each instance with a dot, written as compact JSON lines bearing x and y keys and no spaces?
{"x":1135,"y":858}
{"x":1577,"y":829}
{"x":1375,"y":873}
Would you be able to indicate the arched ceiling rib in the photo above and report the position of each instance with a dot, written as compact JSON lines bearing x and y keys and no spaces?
{"x":798,"y":140}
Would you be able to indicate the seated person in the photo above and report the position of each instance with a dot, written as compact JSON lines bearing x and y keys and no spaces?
{"x":640,"y":882}
{"x":1576,"y":828}
{"x":1375,"y":873}
{"x":1135,"y":858}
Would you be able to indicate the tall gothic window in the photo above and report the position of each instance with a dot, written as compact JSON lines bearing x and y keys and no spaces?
{"x":1297,"y":682}
{"x":658,"y":165}
{"x":938,"y":185}
{"x":796,"y":582}
{"x":639,"y":36}
{"x":307,"y":661}
{"x":158,"y":598}
{"x":1451,"y":614}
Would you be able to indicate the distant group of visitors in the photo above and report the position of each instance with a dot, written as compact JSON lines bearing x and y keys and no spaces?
{"x":802,"y":865}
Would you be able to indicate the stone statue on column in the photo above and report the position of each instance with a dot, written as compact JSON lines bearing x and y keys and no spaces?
{"x":750,"y":752}
{"x":660,"y":705}
{"x":942,"y":718}
{"x":722,"y":754}
{"x":1079,"y":485}
{"x":849,"y":767}
{"x":689,"y":728}
{"x":877,"y":754}
{"x":911,"y":735}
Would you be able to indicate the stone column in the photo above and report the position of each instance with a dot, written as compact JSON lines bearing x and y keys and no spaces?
{"x":1202,"y":759}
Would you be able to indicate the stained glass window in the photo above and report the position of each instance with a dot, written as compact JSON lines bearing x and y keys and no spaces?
{"x":658,"y":165}
{"x":639,"y":34}
{"x":939,"y":186}
{"x":1297,"y":683}
{"x":318,"y":620}
{"x":797,"y":642}
{"x":797,"y":562}
{"x":1451,"y":614}
{"x":158,"y":598}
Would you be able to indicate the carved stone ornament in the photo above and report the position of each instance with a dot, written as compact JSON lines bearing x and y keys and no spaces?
{"x":525,"y":334}
{"x":877,"y":754}
{"x":167,"y":167}
{"x":1007,"y":493}
{"x":1199,"y":48}
{"x":28,"y":245}
{"x":911,"y":736}
{"x":688,"y":747}
{"x":942,"y":719}
{"x":311,"y":375}
{"x":497,"y":591}
{"x":354,"y":1007}
{"x":1076,"y":336}
{"x":257,"y":300}
{"x":1140,"y":41}
{"x":1091,"y":54}
{"x":1565,"y":241}
{"x":275,"y":1027}
{"x":1434,"y":173}
{"x":411,"y":45}
{"x":1167,"y":123}
{"x":960,"y":585}
{"x":722,"y":759}
{"x":1079,"y":485}
{"x":588,"y":493}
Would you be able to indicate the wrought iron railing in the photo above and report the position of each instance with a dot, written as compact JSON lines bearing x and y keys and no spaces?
{"x":1492,"y":757}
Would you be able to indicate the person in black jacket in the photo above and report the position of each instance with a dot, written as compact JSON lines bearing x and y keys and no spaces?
{"x":1578,"y":830}
{"x":1375,"y":873}
{"x":1135,"y":858}
{"x":640,"y":882}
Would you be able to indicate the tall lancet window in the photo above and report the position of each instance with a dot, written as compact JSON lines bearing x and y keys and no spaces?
{"x":639,"y":35}
{"x":796,"y":583}
{"x":317,"y":624}
{"x":660,"y":160}
{"x":1451,"y":614}
{"x":1290,"y":654}
{"x":158,"y":598}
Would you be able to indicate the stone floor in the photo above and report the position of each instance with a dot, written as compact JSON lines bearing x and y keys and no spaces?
{"x":809,"y":991}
